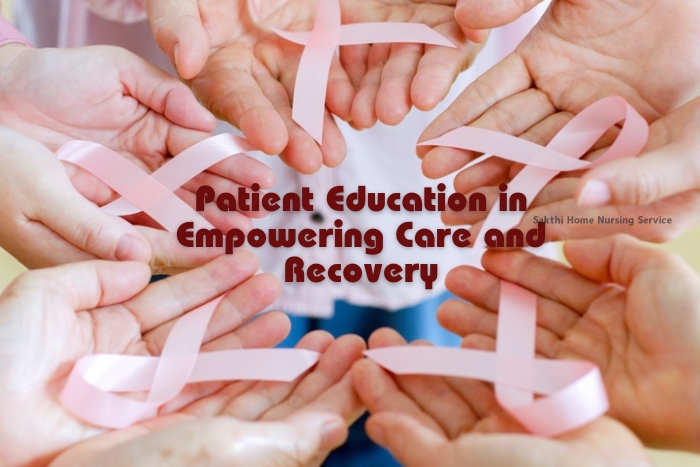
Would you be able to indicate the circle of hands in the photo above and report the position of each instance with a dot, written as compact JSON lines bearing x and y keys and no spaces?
{"x":627,"y":308}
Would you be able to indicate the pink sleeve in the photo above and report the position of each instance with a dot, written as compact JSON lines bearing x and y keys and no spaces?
{"x":9,"y":34}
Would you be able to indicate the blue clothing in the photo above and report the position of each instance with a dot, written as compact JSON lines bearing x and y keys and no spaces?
{"x":417,"y":322}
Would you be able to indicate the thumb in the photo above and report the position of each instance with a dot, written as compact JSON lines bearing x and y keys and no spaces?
{"x":487,"y":14}
{"x":179,"y":32}
{"x":641,"y":180}
{"x":87,"y":227}
{"x":409,"y":441}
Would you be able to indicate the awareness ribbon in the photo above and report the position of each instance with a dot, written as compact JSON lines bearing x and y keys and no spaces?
{"x":153,"y":193}
{"x":572,"y":142}
{"x":89,"y":391}
{"x":573,"y":391}
{"x":320,"y":45}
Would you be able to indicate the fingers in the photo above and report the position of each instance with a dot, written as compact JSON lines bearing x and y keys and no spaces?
{"x":643,"y":179}
{"x":238,"y":306}
{"x":170,"y":298}
{"x":162,"y":93}
{"x":483,"y":14}
{"x":618,"y":259}
{"x":170,"y":257}
{"x":408,"y":440}
{"x":217,"y":441}
{"x":84,"y":285}
{"x":87,"y":227}
{"x":178,"y":30}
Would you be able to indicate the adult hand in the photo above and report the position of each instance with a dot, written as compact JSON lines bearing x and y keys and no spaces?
{"x":47,"y":222}
{"x":426,"y":420}
{"x":662,"y":182}
{"x":578,"y":53}
{"x":182,"y":441}
{"x":629,"y":308}
{"x":112,"y":97}
{"x":245,"y":74}
{"x":50,"y":318}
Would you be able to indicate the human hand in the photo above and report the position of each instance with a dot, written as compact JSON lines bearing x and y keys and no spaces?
{"x":47,"y":222}
{"x":50,"y":318}
{"x":222,"y":440}
{"x":110,"y":96}
{"x":661,"y":182}
{"x":245,"y":74}
{"x":628,"y":308}
{"x":432,"y":420}
{"x":558,"y":70}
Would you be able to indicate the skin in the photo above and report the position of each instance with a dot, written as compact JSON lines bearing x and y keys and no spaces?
{"x":578,"y":53}
{"x":110,"y":96}
{"x":109,"y":307}
{"x":629,"y":308}
{"x":425,"y":420}
{"x":244,"y":73}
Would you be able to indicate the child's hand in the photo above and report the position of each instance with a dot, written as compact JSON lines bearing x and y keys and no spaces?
{"x":110,"y":96}
{"x":631,"y":309}
{"x":245,"y":73}
{"x":453,"y":422}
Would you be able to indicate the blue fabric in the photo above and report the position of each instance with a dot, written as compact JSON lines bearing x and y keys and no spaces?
{"x":417,"y":322}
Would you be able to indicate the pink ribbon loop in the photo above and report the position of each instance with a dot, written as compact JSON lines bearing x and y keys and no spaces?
{"x":319,"y":47}
{"x":574,"y":393}
{"x":89,"y":391}
{"x":153,"y":194}
{"x":561,"y":154}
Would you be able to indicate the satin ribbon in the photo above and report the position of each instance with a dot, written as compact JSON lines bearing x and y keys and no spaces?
{"x":153,"y":193}
{"x":563,"y":152}
{"x":573,"y":391}
{"x":89,"y":391}
{"x":319,"y":47}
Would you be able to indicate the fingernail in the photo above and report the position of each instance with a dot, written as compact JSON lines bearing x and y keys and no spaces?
{"x":333,"y":432}
{"x":595,"y":193}
{"x":131,"y":248}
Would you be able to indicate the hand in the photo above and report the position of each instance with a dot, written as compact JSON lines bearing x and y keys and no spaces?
{"x":182,"y":441}
{"x":245,"y":74}
{"x":630,"y":309}
{"x":48,"y":222}
{"x":429,"y":420}
{"x":578,"y":53}
{"x":662,"y":181}
{"x":50,"y":318}
{"x":112,"y":97}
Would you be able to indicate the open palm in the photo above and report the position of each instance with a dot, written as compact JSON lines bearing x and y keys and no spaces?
{"x":578,"y":53}
{"x":50,"y":318}
{"x":426,"y":420}
{"x":245,"y":73}
{"x":628,"y":308}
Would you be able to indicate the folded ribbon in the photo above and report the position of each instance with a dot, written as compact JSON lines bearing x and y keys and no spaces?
{"x":562,"y":153}
{"x":573,"y":391}
{"x":88,"y":393}
{"x":153,"y":193}
{"x":320,"y":45}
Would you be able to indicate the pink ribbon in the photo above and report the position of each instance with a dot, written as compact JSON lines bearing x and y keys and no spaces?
{"x":320,"y":45}
{"x":89,"y":391}
{"x":153,"y":193}
{"x":561,"y":154}
{"x":573,"y":391}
